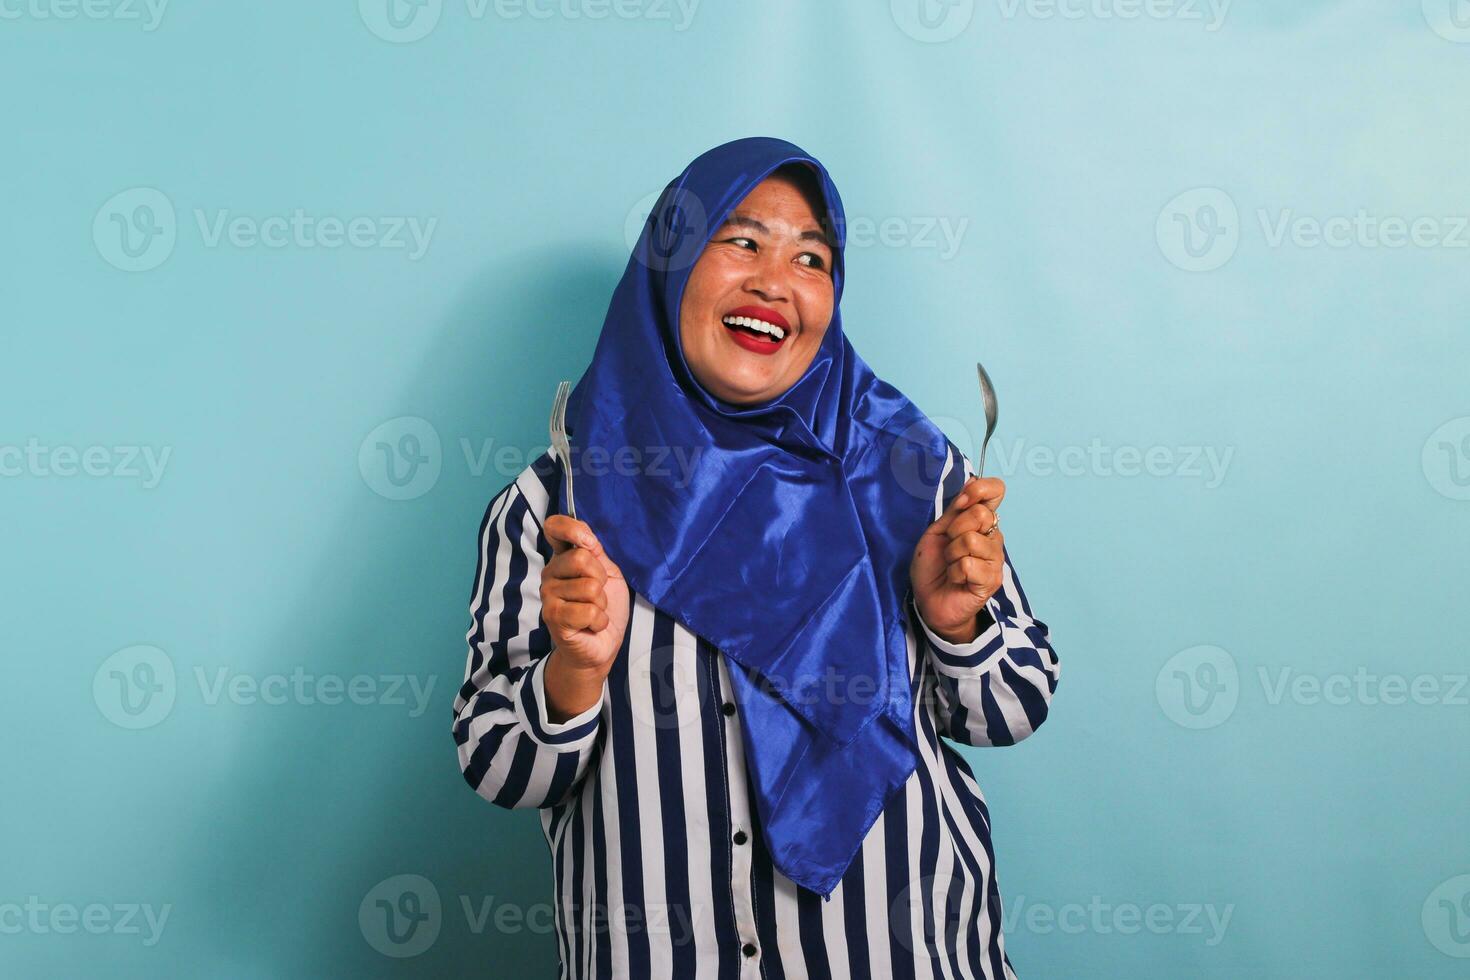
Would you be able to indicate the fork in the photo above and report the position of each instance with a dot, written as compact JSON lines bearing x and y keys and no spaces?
{"x":987,"y":396}
{"x":560,"y":448}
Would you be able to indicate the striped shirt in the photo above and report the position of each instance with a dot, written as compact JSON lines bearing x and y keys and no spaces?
{"x":659,"y":866}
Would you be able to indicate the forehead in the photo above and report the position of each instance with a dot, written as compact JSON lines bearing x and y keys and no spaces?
{"x":779,"y":196}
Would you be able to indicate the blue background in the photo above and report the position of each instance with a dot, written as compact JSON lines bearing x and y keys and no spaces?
{"x":1329,"y":380}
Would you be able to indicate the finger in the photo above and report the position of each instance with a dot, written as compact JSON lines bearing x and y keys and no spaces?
{"x":973,"y":544}
{"x":567,"y":532}
{"x":961,"y":500}
{"x":977,"y":517}
{"x":979,"y":577}
{"x":571,"y":617}
{"x":577,"y":563}
{"x":987,"y":490}
{"x":580,"y":589}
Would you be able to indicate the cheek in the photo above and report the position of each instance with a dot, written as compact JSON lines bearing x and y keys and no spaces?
{"x":816,"y":310}
{"x":707,"y":283}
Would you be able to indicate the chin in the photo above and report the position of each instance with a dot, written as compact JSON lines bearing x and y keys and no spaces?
{"x":749,"y":392}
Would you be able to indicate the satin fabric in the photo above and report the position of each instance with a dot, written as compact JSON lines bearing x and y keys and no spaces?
{"x":781,"y":532}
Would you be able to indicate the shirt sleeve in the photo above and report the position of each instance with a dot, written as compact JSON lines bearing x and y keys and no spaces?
{"x":509,"y":751}
{"x":997,"y":688}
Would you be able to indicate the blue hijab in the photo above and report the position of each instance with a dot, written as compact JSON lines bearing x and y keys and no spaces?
{"x":787,"y":542}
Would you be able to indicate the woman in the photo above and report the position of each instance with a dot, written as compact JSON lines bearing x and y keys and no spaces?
{"x":712,"y":684}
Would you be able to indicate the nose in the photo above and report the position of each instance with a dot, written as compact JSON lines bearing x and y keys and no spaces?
{"x":767,"y":279}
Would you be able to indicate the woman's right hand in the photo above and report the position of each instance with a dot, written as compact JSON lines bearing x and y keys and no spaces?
{"x":584,"y":599}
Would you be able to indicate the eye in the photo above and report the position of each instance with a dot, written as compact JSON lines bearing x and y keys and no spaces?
{"x":742,"y":242}
{"x":817,"y":262}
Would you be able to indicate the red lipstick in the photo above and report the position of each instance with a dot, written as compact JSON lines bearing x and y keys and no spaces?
{"x":753,"y":340}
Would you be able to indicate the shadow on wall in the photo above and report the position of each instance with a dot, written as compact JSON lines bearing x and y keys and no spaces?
{"x":318,"y":805}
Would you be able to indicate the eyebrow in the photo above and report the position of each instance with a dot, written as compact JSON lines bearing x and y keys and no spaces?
{"x":746,"y":221}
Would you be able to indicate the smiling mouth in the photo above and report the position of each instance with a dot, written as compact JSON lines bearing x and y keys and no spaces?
{"x":757,"y":328}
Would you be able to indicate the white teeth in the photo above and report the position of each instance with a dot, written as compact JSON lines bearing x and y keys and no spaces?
{"x":761,"y":325}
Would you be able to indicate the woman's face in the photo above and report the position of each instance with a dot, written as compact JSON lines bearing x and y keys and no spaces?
{"x":768,"y":262}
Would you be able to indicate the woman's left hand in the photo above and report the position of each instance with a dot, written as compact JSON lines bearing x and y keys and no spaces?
{"x":957,"y":566}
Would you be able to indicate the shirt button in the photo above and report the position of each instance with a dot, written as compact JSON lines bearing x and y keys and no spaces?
{"x":748,"y":949}
{"x":740,"y":837}
{"x":728,"y":708}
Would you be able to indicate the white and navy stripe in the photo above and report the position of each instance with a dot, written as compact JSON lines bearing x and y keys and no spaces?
{"x":659,"y":866}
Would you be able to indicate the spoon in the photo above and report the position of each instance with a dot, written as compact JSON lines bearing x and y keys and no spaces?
{"x":987,"y":396}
